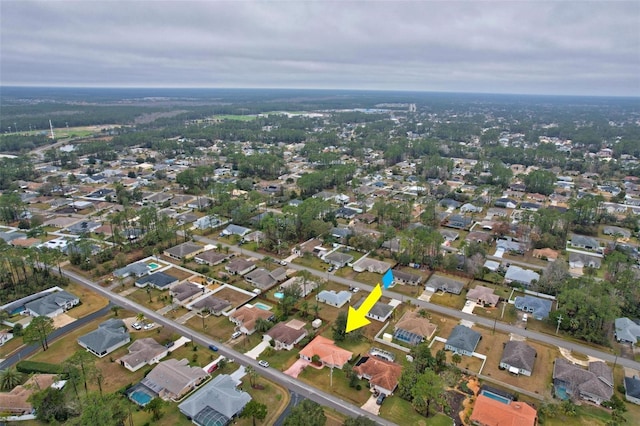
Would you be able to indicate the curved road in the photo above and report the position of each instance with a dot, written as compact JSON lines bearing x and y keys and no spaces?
{"x":487,"y":322}
{"x":290,"y":383}
{"x":26,"y":351}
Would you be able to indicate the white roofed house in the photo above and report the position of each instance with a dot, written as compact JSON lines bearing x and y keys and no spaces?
{"x":518,"y":275}
{"x":330,"y":297}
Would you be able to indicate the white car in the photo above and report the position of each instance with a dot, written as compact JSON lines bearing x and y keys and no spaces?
{"x":356,"y":289}
{"x":136,"y":326}
{"x":236,"y":334}
{"x":148,"y":326}
{"x":263,"y":363}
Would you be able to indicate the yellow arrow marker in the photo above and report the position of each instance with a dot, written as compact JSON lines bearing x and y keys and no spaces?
{"x":357,"y":318}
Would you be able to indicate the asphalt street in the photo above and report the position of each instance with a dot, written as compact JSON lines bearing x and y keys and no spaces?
{"x":30,"y":349}
{"x":487,"y":322}
{"x":290,"y":383}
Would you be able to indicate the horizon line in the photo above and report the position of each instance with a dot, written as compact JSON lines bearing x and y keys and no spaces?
{"x":126,"y":87}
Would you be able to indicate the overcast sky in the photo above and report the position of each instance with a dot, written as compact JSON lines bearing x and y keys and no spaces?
{"x":561,"y":47}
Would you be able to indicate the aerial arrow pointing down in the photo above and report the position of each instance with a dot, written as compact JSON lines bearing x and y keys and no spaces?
{"x":358,"y":317}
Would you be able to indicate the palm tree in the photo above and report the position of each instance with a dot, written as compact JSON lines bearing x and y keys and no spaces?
{"x":10,"y":378}
{"x":140,"y":316}
{"x":115,"y":309}
{"x":250,"y":372}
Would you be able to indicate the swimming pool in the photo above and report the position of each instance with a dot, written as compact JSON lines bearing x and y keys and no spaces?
{"x":278,"y":295}
{"x":561,"y":392}
{"x":140,"y":397}
{"x":153,"y":266}
{"x":262,"y":306}
{"x":496,"y":397}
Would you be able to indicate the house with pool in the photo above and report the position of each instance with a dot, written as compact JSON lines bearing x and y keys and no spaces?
{"x":246,"y":317}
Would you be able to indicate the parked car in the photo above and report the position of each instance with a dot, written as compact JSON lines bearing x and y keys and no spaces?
{"x":136,"y":326}
{"x":330,"y":269}
{"x":283,"y":262}
{"x":356,"y":289}
{"x":236,"y":334}
{"x":213,"y":348}
{"x":148,"y":326}
{"x":263,"y":363}
{"x":380,"y":399}
{"x":525,"y":317}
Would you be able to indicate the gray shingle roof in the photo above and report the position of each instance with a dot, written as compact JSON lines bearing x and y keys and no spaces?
{"x":50,"y":303}
{"x":519,"y":354}
{"x":108,"y":334}
{"x":539,"y":308}
{"x":137,"y":269}
{"x":220,"y":395}
{"x":632,"y":385}
{"x":627,"y":330}
{"x":464,"y":338}
{"x":159,"y":279}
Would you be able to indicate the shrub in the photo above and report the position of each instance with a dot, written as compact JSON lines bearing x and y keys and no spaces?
{"x":29,"y":367}
{"x":358,"y":386}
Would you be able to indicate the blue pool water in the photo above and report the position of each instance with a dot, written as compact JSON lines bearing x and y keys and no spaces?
{"x":153,"y":266}
{"x":561,"y":393}
{"x":141,"y":398}
{"x":262,"y":306}
{"x":278,"y":295}
{"x":496,"y":397}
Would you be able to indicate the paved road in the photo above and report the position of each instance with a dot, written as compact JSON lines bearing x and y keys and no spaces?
{"x":29,"y":350}
{"x":294,"y":399}
{"x":290,"y":383}
{"x":500,"y":326}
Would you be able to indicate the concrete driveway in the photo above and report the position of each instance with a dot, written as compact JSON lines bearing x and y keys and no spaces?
{"x":296,"y":368}
{"x":255,"y":352}
{"x":371,"y":405}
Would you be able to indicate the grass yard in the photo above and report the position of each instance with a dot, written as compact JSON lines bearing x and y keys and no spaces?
{"x":586,"y":415}
{"x":178,"y":273}
{"x":281,"y":360}
{"x":401,"y":412}
{"x":171,"y":417}
{"x":236,"y":117}
{"x":454,"y":301}
{"x":321,"y":379}
{"x":220,"y":328}
{"x":90,"y":301}
{"x":10,"y":347}
{"x":234,"y":297}
{"x":470,"y":363}
{"x":311,"y":262}
{"x":200,"y":357}
{"x":149,"y":297}
{"x":274,"y":396}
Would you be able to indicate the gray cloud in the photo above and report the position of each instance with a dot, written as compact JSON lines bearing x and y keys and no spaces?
{"x":558,"y":47}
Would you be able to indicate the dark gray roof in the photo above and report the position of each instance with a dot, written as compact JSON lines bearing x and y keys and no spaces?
{"x":519,"y":354}
{"x":50,"y":303}
{"x":539,"y":307}
{"x":379,"y":309}
{"x":137,"y":269}
{"x":184,"y":249}
{"x":185,"y":290}
{"x":159,"y":279}
{"x":108,"y":334}
{"x":215,"y":304}
{"x":464,"y":338}
{"x":580,"y":380}
{"x":627,"y":330}
{"x":583,"y":240}
{"x":632,"y":385}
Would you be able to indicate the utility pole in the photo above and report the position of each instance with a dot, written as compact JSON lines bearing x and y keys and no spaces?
{"x":559,"y":321}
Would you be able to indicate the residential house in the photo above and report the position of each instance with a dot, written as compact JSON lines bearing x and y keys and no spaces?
{"x":51,"y":304}
{"x":240,"y":266}
{"x":172,"y":379}
{"x":627,"y":331}
{"x":447,"y":285}
{"x":393,"y":245}
{"x":538,"y":307}
{"x":340,"y":233}
{"x":214,"y":305}
{"x":617,"y":232}
{"x":5,"y":336}
{"x":17,"y":401}
{"x":379,"y":312}
{"x":483,"y":296}
{"x":571,"y":381}
{"x":330,"y":297}
{"x":217,"y":403}
{"x":532,"y":207}
{"x":211,"y":258}
{"x":449,"y":235}
{"x":260,"y":278}
{"x":185,"y":250}
{"x":457,"y":221}
{"x":330,"y":355}
{"x":109,"y":336}
{"x":383,"y":375}
{"x":518,"y":358}
{"x":338,"y":259}
{"x":632,"y":389}
{"x":449,"y":203}
{"x":201,"y":203}
{"x":371,"y":265}
{"x":246,"y":318}
{"x":414,"y":329}
{"x":346,"y":213}
{"x":158,"y":280}
{"x":518,"y":275}
{"x":313,"y":246}
{"x":406,"y":278}
{"x":185,"y":292}
{"x":478,"y":237}
{"x":232,"y":229}
{"x":463,"y":340}
{"x":158,"y":198}
{"x":580,"y":260}
{"x":490,"y":412}
{"x":584,"y":242}
{"x":142,"y":352}
{"x":470,"y":208}
{"x":83,"y":227}
{"x":286,"y":336}
{"x":207,"y":222}
{"x":137,"y":269}
{"x":546,"y":253}
{"x":506,"y":203}
{"x":304,"y":287}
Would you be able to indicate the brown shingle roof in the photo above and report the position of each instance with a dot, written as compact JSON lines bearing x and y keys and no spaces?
{"x":414,"y":323}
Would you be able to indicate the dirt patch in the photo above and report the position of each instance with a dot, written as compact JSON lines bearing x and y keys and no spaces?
{"x":234,"y":297}
{"x":457,"y":407}
{"x":179,"y":273}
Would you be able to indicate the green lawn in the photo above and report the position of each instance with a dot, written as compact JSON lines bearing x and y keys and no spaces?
{"x":401,"y":412}
{"x":281,"y":360}
{"x":586,"y":415}
{"x":321,"y":379}
{"x":236,"y":117}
